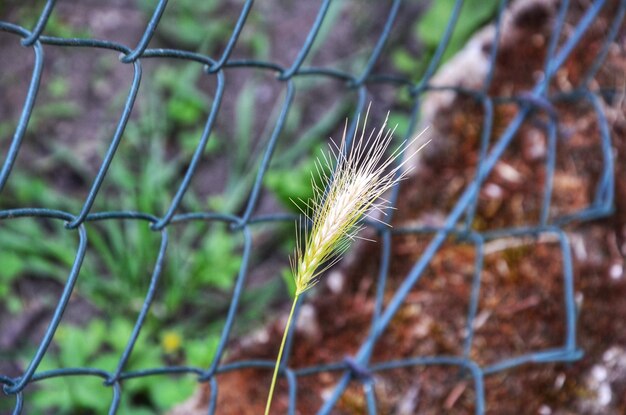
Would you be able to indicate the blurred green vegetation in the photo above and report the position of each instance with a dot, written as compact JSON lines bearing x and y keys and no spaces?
{"x":202,"y":259}
{"x":100,"y":345}
{"x":201,"y":26}
{"x":429,"y":29}
{"x":201,"y":264}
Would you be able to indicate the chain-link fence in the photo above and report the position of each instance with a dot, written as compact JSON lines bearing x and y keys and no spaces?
{"x":458,"y":224}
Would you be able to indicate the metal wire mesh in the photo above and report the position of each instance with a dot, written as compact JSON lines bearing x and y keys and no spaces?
{"x":456,"y":224}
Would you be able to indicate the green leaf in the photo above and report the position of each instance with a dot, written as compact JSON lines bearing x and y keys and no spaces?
{"x":13,"y":304}
{"x":404,"y":62}
{"x":200,"y":352}
{"x":190,"y":139}
{"x":432,"y":26}
{"x":260,"y":44}
{"x":166,"y":393}
{"x":88,"y":392}
{"x":145,"y":356}
{"x":106,"y":361}
{"x":58,"y":87}
{"x":184,"y":110}
{"x":244,"y":109}
{"x":292,"y":187}
{"x":94,"y":336}
{"x":400,"y":122}
{"x":220,"y":262}
{"x":74,"y":351}
{"x":119,"y":334}
{"x":11,"y":266}
{"x":54,"y":395}
{"x":289,"y":280}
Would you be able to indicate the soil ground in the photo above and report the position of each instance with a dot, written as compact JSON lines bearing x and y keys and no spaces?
{"x":521,"y":292}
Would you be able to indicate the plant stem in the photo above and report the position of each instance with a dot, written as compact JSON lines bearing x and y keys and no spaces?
{"x":280,"y":355}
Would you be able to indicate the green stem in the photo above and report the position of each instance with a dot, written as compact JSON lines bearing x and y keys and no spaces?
{"x":280,"y":355}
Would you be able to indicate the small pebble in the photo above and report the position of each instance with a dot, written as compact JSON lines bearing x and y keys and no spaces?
{"x":544,"y":410}
{"x":599,"y":373}
{"x":559,"y":381}
{"x":616,"y":272}
{"x":335,"y":282}
{"x":493,"y":191}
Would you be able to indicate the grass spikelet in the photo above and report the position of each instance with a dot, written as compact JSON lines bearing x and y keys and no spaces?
{"x":362,"y":173}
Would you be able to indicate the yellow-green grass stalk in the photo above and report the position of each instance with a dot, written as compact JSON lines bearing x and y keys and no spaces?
{"x":361,"y":174}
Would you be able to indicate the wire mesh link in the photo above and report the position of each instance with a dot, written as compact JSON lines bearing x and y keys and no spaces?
{"x":457,"y":225}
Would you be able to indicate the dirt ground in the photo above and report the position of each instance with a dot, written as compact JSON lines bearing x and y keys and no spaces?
{"x":521,"y":301}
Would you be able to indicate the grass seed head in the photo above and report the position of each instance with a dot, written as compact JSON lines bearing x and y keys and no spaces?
{"x":361,"y":175}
